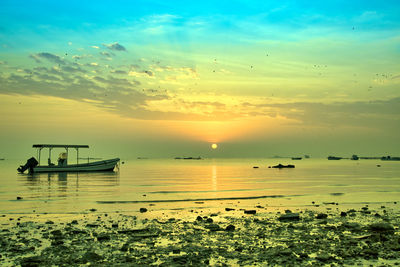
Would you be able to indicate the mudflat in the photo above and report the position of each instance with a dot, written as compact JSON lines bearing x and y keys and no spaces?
{"x":225,"y":236}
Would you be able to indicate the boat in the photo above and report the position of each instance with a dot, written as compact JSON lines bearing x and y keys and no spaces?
{"x":280,"y":166}
{"x":296,"y":158}
{"x":62,"y":165}
{"x":334,"y":158}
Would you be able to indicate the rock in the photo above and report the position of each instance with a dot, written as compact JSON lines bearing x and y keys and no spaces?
{"x":49,"y":222}
{"x":259,"y":206}
{"x":56,"y":233}
{"x":343,"y":214}
{"x":125,"y":247}
{"x":114,"y":225}
{"x":142,"y":210}
{"x":323,"y":257}
{"x":93,"y":225}
{"x":288,"y":211}
{"x":213,"y":215}
{"x":199,"y":219}
{"x":74,"y":222}
{"x":250,"y":212}
{"x":90,"y":256}
{"x":31,"y":261}
{"x":103,"y":237}
{"x":209,"y":220}
{"x":289,"y":217}
{"x":92,"y":210}
{"x":322,"y":216}
{"x":230,"y":228}
{"x":213,"y":227}
{"x":371,"y":252}
{"x":381,"y":227}
{"x":229,"y":209}
{"x":353,"y":226}
{"x":19,"y":198}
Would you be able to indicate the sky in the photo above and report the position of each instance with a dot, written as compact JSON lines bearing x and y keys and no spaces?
{"x":170,"y":78}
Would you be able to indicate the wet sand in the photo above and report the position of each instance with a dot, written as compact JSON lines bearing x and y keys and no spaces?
{"x":228,"y":235}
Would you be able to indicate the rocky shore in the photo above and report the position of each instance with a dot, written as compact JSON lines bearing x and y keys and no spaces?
{"x":225,"y":237}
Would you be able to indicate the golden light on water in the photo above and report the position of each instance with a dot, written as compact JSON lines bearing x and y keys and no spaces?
{"x":214,"y":146}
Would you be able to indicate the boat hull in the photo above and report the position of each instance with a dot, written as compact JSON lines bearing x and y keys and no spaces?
{"x":103,"y":165}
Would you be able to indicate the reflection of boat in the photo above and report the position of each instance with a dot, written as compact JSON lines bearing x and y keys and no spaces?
{"x":334,"y":158}
{"x":391,"y":158}
{"x":280,"y":166}
{"x":296,"y":158}
{"x":62,"y":165}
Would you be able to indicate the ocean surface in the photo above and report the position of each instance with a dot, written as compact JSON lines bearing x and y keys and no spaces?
{"x":186,"y":184}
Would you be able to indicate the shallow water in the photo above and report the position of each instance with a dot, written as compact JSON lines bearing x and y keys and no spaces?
{"x":170,"y":183}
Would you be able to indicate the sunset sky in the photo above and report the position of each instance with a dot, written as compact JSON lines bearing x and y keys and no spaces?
{"x":169,"y":78}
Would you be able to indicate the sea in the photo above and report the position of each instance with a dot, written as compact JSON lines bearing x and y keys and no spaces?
{"x":177,"y":184}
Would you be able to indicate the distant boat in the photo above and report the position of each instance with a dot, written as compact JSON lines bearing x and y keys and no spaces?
{"x":334,"y":158}
{"x":391,"y":158}
{"x":2,"y":158}
{"x":307,"y":156}
{"x":296,"y":158}
{"x":198,"y":158}
{"x":354,"y":157}
{"x":34,"y":166}
{"x":280,"y":166}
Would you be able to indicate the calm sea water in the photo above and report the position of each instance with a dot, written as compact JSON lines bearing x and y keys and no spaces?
{"x":169,"y":183}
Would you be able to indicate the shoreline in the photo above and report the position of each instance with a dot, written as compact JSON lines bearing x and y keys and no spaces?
{"x":227,"y":235}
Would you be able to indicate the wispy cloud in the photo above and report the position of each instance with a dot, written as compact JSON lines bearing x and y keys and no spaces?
{"x":115,"y":47}
{"x":48,"y":56}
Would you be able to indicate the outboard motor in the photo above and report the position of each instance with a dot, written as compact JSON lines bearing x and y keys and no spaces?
{"x":30,"y":164}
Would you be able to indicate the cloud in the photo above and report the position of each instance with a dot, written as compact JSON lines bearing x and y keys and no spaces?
{"x":48,"y":56}
{"x":115,"y":46}
{"x":106,"y":54}
{"x":145,"y":73}
{"x":367,"y":114}
{"x":119,"y":72}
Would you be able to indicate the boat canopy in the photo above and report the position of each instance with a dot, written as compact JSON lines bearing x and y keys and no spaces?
{"x":51,"y":146}
{"x":64,"y":146}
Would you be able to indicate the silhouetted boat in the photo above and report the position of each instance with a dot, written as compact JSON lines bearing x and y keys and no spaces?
{"x":198,"y":158}
{"x":62,"y":163}
{"x":280,"y":166}
{"x":334,"y":158}
{"x":296,"y":158}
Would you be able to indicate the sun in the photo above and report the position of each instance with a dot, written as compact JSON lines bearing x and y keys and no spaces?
{"x":214,"y":146}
